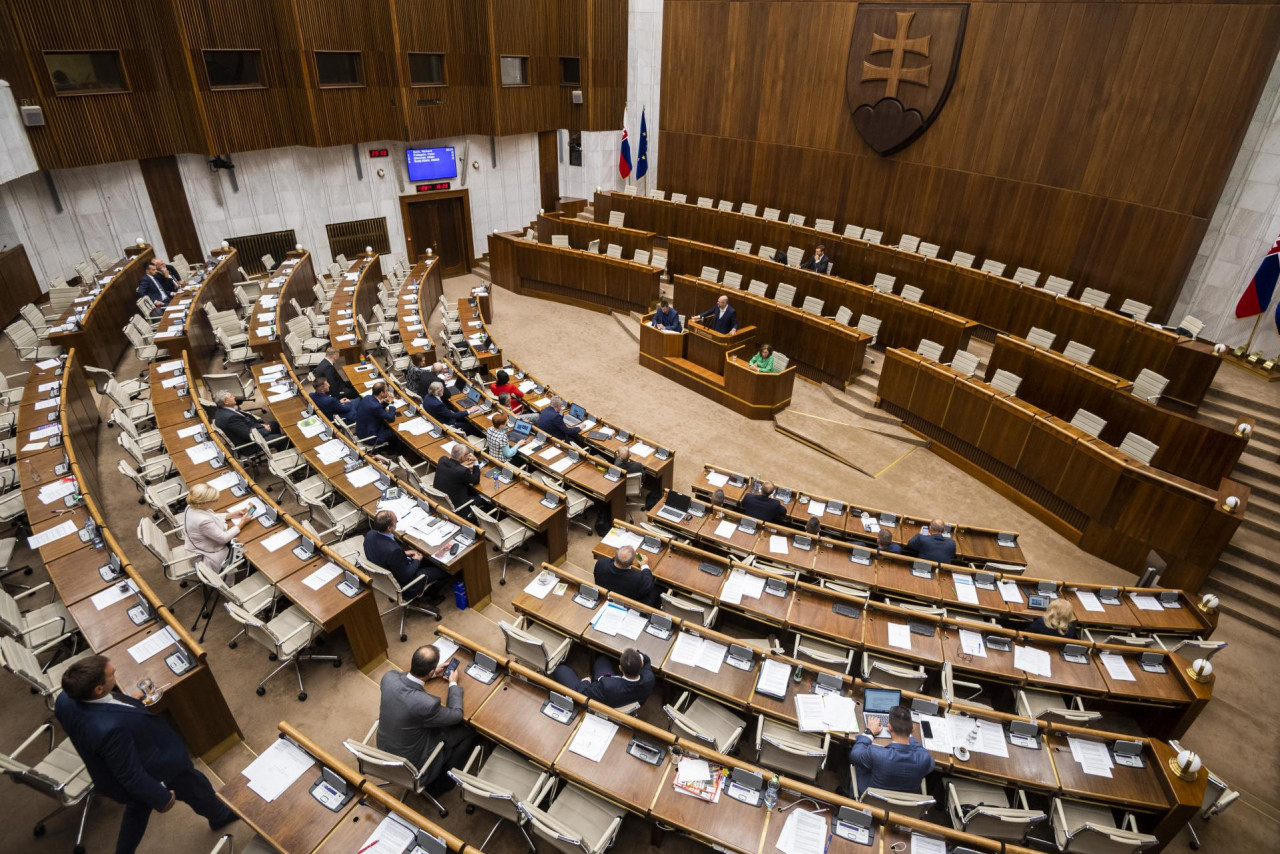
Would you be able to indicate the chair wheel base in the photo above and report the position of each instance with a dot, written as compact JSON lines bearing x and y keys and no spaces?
{"x":1195,"y":846}
{"x":337,"y":662}
{"x":79,"y":849}
{"x":302,"y":696}
{"x":403,"y":638}
{"x":38,"y":831}
{"x":471,"y":808}
{"x":261,"y":691}
{"x":233,"y":644}
{"x":271,"y":656}
{"x":444,"y":813}
{"x":502,"y":582}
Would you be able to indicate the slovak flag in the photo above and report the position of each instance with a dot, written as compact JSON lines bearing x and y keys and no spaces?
{"x":624,"y":165}
{"x":1257,"y":297}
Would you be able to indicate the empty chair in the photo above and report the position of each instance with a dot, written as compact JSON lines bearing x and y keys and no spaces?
{"x":1052,"y":706}
{"x":40,"y":629}
{"x":869,"y":325}
{"x":725,"y":205}
{"x":794,"y":256}
{"x":983,"y":809}
{"x":884,"y":282}
{"x":912,"y":293}
{"x":827,"y":225}
{"x":843,"y":315}
{"x":593,"y":246}
{"x":1058,"y":285}
{"x":679,"y":198}
{"x":642,"y":256}
{"x":931,"y":350}
{"x":705,"y":720}
{"x":785,"y":294}
{"x":287,"y":636}
{"x":711,"y":274}
{"x":963,"y":259}
{"x":534,"y":645}
{"x":1093,"y":829}
{"x":824,"y":652}
{"x":613,"y":250}
{"x":911,"y":804}
{"x":785,"y":749}
{"x":560,"y":240}
{"x":704,"y":202}
{"x":771,"y":213}
{"x":767,"y":252}
{"x":45,"y":681}
{"x":396,"y":770}
{"x":747,"y":209}
{"x":690,"y":608}
{"x":59,"y":774}
{"x":872,"y":236}
{"x":1006,"y":382}
{"x":929,"y":250}
{"x":1094,"y":297}
{"x":954,"y":689}
{"x":757,"y":287}
{"x":1088,"y":422}
{"x":1139,"y":448}
{"x":576,"y":821}
{"x":1026,"y":276}
{"x":1190,"y":326}
{"x":733,"y":280}
{"x":617,"y":219}
{"x":499,"y":785}
{"x":1149,"y":385}
{"x":909,"y":243}
{"x":506,"y":535}
{"x":893,"y":674}
{"x":657,"y":194}
{"x":853,"y":231}
{"x":780,"y":361}
{"x":1078,"y":352}
{"x":1137,"y":310}
{"x":995,"y":268}
{"x":1038,"y":337}
{"x":1190,"y":648}
{"x":813,"y":305}
{"x":795,"y":219}
{"x":742,"y":246}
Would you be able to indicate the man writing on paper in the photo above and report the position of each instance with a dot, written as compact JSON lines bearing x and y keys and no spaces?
{"x":634,"y":685}
{"x":722,"y":318}
{"x":412,"y":722}
{"x":132,"y":755}
{"x":618,"y":576}
{"x":899,"y":766}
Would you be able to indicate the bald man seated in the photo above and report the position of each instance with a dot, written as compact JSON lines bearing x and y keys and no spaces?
{"x":934,"y":545}
{"x":620,"y":575}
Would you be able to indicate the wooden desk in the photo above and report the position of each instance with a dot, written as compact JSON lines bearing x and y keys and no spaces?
{"x":559,"y":611}
{"x":512,"y":715}
{"x":875,"y":634}
{"x":585,"y":279}
{"x":582,"y":232}
{"x":354,"y":298}
{"x":730,"y":824}
{"x":619,"y":776}
{"x":98,"y":337}
{"x":76,"y":575}
{"x":813,"y":612}
{"x":729,"y":683}
{"x":1138,"y":788}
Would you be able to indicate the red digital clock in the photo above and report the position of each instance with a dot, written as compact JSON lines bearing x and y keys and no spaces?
{"x":378,"y":152}
{"x":439,"y":185}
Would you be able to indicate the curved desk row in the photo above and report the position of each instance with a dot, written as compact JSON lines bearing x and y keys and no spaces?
{"x":582,"y":232}
{"x":355,"y":297}
{"x":116,"y":611}
{"x":185,"y":324}
{"x":92,"y":323}
{"x":292,"y":280}
{"x":572,"y":276}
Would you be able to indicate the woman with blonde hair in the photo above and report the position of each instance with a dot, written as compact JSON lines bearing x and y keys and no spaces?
{"x":210,"y":534}
{"x":1059,"y":620}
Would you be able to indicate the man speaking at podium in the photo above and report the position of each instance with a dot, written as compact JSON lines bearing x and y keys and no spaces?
{"x":723,"y":318}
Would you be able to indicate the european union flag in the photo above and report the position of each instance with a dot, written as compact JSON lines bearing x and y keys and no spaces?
{"x":642,"y":160}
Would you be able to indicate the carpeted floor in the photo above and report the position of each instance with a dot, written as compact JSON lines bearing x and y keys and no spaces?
{"x":594,"y":357}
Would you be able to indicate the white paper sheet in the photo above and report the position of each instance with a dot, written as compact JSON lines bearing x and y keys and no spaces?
{"x":900,"y":635}
{"x":1117,"y":667}
{"x":1093,"y":756}
{"x":809,"y":713}
{"x":391,"y":836}
{"x":817,"y":508}
{"x":741,"y":584}
{"x":280,"y":539}
{"x":778,"y":545}
{"x":1089,"y":600}
{"x":47,"y":404}
{"x":972,"y":644}
{"x":965,"y":590}
{"x":1144,"y":601}
{"x":609,"y":619}
{"x":57,"y":532}
{"x":619,"y":537}
{"x":541,"y":584}
{"x":202,"y":452}
{"x":415,"y":426}
{"x":804,"y":832}
{"x":943,"y":740}
{"x":641,"y":450}
{"x":33,"y":446}
{"x":686,"y":650}
{"x":113,"y":594}
{"x":632,"y":624}
{"x":839,"y":713}
{"x":711,"y":656}
{"x":51,"y":492}
{"x":1009,"y":591}
{"x":773,"y":677}
{"x":224,"y":481}
{"x":593,"y":737}
{"x":446,"y":646}
{"x":725,"y":529}
{"x":323,"y":575}
{"x":927,"y":845}
{"x":188,"y":432}
{"x":331,"y":451}
{"x":362,"y":476}
{"x":152,"y":644}
{"x":549,"y":453}
{"x":717,"y":479}
{"x":277,"y":768}
{"x":1032,"y":660}
{"x":561,"y":465}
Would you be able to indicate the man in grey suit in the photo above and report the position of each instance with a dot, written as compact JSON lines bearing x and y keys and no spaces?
{"x":412,"y":722}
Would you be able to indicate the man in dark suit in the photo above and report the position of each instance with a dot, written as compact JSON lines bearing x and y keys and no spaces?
{"x":551,"y":421}
{"x":760,"y":504}
{"x":819,"y":263}
{"x":374,"y":415}
{"x":149,"y":286}
{"x":440,"y":409}
{"x":330,"y":405}
{"x":722,"y":318}
{"x":934,"y":545}
{"x":666,"y":317}
{"x":167,"y":276}
{"x":440,"y":373}
{"x":412,"y":722}
{"x":456,"y":474}
{"x":240,"y":426}
{"x":884,"y":541}
{"x":132,"y":755}
{"x":618,"y":576}
{"x":633,"y":685}
{"x":414,"y":576}
{"x":328,"y":370}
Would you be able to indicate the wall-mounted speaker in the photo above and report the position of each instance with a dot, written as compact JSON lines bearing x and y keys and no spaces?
{"x":32,"y":117}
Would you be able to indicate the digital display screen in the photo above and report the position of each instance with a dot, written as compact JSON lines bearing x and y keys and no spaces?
{"x":431,"y":164}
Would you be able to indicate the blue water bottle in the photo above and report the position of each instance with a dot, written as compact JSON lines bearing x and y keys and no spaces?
{"x":460,"y":595}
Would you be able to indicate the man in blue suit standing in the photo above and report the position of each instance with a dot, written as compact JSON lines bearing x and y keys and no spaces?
{"x":374,"y":415}
{"x":722,"y":318}
{"x":132,"y":755}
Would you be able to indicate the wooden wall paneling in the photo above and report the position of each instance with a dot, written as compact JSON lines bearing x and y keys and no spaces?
{"x":529,"y":28}
{"x":549,"y":169}
{"x":18,"y":285}
{"x":604,"y":72}
{"x":460,"y":30}
{"x":169,"y":202}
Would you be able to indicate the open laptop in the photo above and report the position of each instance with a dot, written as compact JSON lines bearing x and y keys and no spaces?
{"x":576,"y":415}
{"x":676,"y":507}
{"x":879,"y":702}
{"x":521,"y":428}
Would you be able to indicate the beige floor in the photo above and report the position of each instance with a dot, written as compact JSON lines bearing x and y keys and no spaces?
{"x":594,"y":356}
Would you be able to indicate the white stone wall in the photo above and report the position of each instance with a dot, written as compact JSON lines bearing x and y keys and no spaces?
{"x":16,"y":157}
{"x":1245,"y":224}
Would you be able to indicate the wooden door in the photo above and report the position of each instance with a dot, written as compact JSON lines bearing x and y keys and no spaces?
{"x":439,"y":223}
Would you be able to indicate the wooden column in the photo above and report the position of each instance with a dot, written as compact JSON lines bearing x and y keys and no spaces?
{"x":548,"y":169}
{"x":169,"y":201}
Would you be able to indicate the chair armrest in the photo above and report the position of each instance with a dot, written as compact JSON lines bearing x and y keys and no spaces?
{"x":562,"y":649}
{"x":368,"y":735}
{"x":26,"y":593}
{"x":31,"y":738}
{"x":426,"y":763}
{"x":606,"y":838}
{"x":307,"y":625}
{"x":49,"y":622}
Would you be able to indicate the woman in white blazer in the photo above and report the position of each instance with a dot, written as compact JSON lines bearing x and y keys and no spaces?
{"x":209,"y":534}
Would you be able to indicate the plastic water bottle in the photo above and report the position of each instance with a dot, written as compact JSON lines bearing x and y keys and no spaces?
{"x":771,"y":793}
{"x":460,"y":595}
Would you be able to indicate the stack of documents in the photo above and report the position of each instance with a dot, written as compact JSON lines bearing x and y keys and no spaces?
{"x":277,"y":768}
{"x":805,"y":832}
{"x":593,"y":737}
{"x":1093,"y":756}
{"x":988,"y":736}
{"x":323,"y":575}
{"x":51,"y":492}
{"x":725,"y":529}
{"x":311,"y":427}
{"x":741,"y":585}
{"x":1089,"y":600}
{"x":391,"y":836}
{"x":965,"y":590}
{"x":1117,"y":667}
{"x":203,"y":452}
{"x":614,"y":620}
{"x":817,"y":508}
{"x":1032,"y":660}
{"x":693,"y":651}
{"x":619,"y":537}
{"x":1009,"y":591}
{"x":821,"y":712}
{"x":1144,"y":601}
{"x":717,"y":479}
{"x":331,"y":451}
{"x":773,"y":678}
{"x":972,"y":644}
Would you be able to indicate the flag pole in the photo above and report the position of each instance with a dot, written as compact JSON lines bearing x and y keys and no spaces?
{"x":1249,"y":345}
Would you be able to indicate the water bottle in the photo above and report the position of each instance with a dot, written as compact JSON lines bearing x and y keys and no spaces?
{"x":460,"y":595}
{"x":771,"y":793}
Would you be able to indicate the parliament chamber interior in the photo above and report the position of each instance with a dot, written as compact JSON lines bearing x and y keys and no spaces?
{"x":749,"y":425}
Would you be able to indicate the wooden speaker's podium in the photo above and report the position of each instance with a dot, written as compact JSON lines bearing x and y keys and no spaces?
{"x":716,"y":365}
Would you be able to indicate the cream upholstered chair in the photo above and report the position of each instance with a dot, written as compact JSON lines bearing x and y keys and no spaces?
{"x":1093,"y":829}
{"x":1006,"y":382}
{"x":823,"y":652}
{"x":690,"y":608}
{"x":1026,"y":276}
{"x":1139,"y":448}
{"x":576,"y":821}
{"x":785,"y":294}
{"x":396,"y":770}
{"x":1058,"y":285}
{"x":870,"y":325}
{"x":59,"y":774}
{"x":884,"y":283}
{"x":506,"y":535}
{"x":288,"y":636}
{"x":912,"y":293}
{"x":534,"y":645}
{"x":705,"y":720}
{"x":385,"y":583}
{"x":1095,"y":297}
{"x":1052,"y":706}
{"x":1042,"y":338}
{"x":963,"y":259}
{"x":1088,"y":422}
{"x":911,"y":804}
{"x":931,"y":350}
{"x":995,"y":268}
{"x":964,"y":362}
{"x":499,"y":785}
{"x":894,"y":674}
{"x":22,"y":662}
{"x":39,"y":629}
{"x":1078,"y":352}
{"x":983,"y":809}
{"x":1149,"y":385}
{"x":784,"y":748}
{"x":1137,"y":310}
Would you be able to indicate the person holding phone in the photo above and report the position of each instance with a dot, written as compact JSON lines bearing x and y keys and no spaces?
{"x":412,"y":721}
{"x":210,"y":534}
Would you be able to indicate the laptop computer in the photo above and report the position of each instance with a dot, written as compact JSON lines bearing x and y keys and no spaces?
{"x":521,"y":428}
{"x":879,"y":702}
{"x":676,"y":507}
{"x":575,"y":416}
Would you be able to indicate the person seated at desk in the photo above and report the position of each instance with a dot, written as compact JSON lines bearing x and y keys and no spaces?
{"x":813,"y":527}
{"x":499,"y":440}
{"x":618,"y":576}
{"x":633,"y":685}
{"x":780,"y":256}
{"x":456,"y":474}
{"x":330,"y":405}
{"x":819,"y":263}
{"x":722,"y":317}
{"x":667,"y":318}
{"x":440,"y":373}
{"x":375,"y":414}
{"x":327,"y":369}
{"x":442,"y":411}
{"x":934,"y":545}
{"x":551,"y":421}
{"x":167,"y":275}
{"x":762,"y":361}
{"x":131,"y":754}
{"x":412,"y":722}
{"x":382,"y":549}
{"x":884,"y":542}
{"x":717,"y":498}
{"x":900,"y":766}
{"x":502,"y":385}
{"x":517,"y":408}
{"x":759,"y":503}
{"x":210,"y":534}
{"x":240,"y":426}
{"x":1058,"y":620}
{"x":418,"y":377}
{"x":149,"y":286}
{"x":623,"y":460}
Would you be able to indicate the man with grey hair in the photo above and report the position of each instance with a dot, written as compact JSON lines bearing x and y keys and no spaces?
{"x":240,"y":426}
{"x":551,"y":421}
{"x":456,"y":473}
{"x":622,"y":575}
{"x":440,"y":373}
{"x":414,"y":575}
{"x":440,"y":409}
